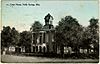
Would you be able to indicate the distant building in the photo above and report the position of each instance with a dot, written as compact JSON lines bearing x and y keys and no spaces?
{"x":43,"y":40}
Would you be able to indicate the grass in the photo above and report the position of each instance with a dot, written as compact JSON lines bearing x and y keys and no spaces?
{"x":32,"y":59}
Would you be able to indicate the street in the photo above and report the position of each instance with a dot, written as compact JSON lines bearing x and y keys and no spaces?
{"x":23,"y":59}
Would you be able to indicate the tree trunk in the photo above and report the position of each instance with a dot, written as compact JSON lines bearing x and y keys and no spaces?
{"x":77,"y":52}
{"x":62,"y":50}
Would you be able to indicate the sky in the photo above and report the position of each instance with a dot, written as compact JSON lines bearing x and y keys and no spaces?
{"x":22,"y":17}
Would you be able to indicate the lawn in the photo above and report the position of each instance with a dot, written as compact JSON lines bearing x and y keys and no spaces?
{"x":32,"y":59}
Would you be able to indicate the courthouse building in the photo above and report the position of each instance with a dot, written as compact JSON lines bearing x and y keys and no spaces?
{"x":43,"y":40}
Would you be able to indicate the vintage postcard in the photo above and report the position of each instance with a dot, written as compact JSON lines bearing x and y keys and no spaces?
{"x":49,"y":31}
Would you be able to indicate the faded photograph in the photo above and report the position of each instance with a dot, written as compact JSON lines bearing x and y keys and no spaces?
{"x":41,"y":31}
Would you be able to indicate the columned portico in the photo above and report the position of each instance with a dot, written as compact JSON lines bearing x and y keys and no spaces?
{"x":39,"y":48}
{"x":42,"y":40}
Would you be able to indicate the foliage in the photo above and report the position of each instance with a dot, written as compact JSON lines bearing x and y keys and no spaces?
{"x":6,"y":36}
{"x":71,"y":29}
{"x":9,"y":36}
{"x":70,"y":33}
{"x":94,"y":30}
{"x":15,"y":36}
{"x":25,"y":38}
{"x":36,"y":26}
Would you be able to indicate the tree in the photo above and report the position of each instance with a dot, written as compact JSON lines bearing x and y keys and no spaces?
{"x":86,"y":39}
{"x":71,"y":31}
{"x":15,"y":36}
{"x":9,"y":37}
{"x":6,"y":36}
{"x":60,"y":41}
{"x":25,"y":40}
{"x":94,"y":30}
{"x":91,"y":36}
{"x":36,"y":26}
